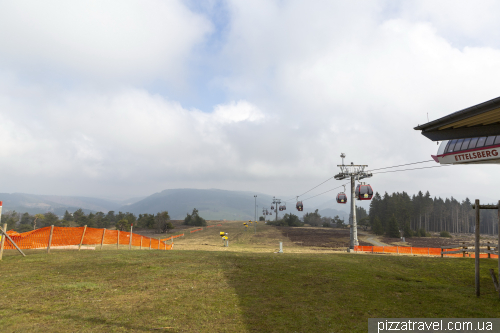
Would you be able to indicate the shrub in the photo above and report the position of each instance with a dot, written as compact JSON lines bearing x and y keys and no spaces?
{"x":444,"y":233}
{"x":422,"y":233}
{"x":194,"y":219}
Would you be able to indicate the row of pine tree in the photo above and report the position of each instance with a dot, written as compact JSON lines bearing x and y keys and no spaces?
{"x":421,"y":213}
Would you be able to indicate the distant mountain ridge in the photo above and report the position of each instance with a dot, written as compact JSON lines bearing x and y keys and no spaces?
{"x":215,"y":204}
{"x":212,"y":204}
{"x":34,"y":204}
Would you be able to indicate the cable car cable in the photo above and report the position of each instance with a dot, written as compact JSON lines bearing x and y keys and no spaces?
{"x":295,"y":198}
{"x":316,"y":186}
{"x":437,"y":166}
{"x":400,"y":165}
{"x":324,"y":192}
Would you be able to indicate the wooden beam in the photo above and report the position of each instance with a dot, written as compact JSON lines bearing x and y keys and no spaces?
{"x":476,"y":259}
{"x":83,"y":235}
{"x":50,"y":238}
{"x":3,"y":238}
{"x":102,"y":239}
{"x":485,"y":206}
{"x":130,"y":240}
{"x":11,"y":241}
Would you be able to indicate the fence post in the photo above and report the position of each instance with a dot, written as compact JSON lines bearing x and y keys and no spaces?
{"x":476,"y":259}
{"x":428,"y":251}
{"x":50,"y":238}
{"x":158,"y":244}
{"x":10,"y":240}
{"x":150,"y":239}
{"x":397,"y":249}
{"x":489,"y":249}
{"x":130,"y":240}
{"x":102,"y":240}
{"x":141,"y":244}
{"x":118,"y":240}
{"x":498,"y":246}
{"x":2,"y":242}
{"x":83,"y":235}
{"x":3,"y":237}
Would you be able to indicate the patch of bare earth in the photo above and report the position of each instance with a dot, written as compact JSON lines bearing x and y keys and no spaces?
{"x":318,"y":237}
{"x":436,"y":241}
{"x":179,"y":228}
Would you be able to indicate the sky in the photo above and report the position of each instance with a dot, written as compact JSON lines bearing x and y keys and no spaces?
{"x":118,"y":99}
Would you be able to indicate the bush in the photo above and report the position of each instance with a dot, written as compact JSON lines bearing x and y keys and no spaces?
{"x":444,"y":234}
{"x":194,"y":219}
{"x":122,"y":225}
{"x":313,"y":219}
{"x":289,"y":220}
{"x":422,"y":233}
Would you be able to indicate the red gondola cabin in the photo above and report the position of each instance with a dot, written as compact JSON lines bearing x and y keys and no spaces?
{"x":364,"y":192}
{"x":300,"y":206}
{"x":342,"y":198}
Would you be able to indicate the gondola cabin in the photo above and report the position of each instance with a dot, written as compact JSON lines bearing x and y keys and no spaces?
{"x":342,"y":198}
{"x":300,"y":206}
{"x":272,"y":207}
{"x":364,"y":192}
{"x":479,"y":150}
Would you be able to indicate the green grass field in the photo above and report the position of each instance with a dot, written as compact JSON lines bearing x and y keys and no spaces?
{"x":202,"y":287}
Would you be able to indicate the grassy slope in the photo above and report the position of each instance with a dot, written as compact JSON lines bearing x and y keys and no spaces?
{"x":243,"y":288}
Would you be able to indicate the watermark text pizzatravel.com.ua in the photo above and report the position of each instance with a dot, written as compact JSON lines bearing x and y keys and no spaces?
{"x":436,"y":325}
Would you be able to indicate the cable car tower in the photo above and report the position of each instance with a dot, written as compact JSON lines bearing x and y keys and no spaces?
{"x":276,"y":202}
{"x":355,"y":172}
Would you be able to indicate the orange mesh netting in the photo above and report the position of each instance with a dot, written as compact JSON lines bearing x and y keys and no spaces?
{"x":418,"y":251}
{"x":63,"y":236}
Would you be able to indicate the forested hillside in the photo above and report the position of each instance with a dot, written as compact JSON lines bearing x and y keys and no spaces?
{"x":421,"y":211}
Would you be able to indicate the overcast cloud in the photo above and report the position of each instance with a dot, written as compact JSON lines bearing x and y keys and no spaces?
{"x":127,"y":98}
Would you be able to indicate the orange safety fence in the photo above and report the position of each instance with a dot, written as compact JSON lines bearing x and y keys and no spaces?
{"x":63,"y":236}
{"x":432,"y":251}
{"x":195,"y":230}
{"x":171,"y":237}
{"x":219,"y":225}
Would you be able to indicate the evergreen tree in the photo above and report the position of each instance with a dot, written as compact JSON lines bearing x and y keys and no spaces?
{"x":407,"y":232}
{"x":67,"y":216}
{"x":51,"y":219}
{"x":378,"y":229}
{"x":393,"y":229}
{"x":194,"y":219}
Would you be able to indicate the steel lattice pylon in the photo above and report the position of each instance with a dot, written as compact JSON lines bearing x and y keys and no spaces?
{"x":355,"y":172}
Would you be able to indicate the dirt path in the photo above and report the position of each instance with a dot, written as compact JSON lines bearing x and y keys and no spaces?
{"x":372,"y":239}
